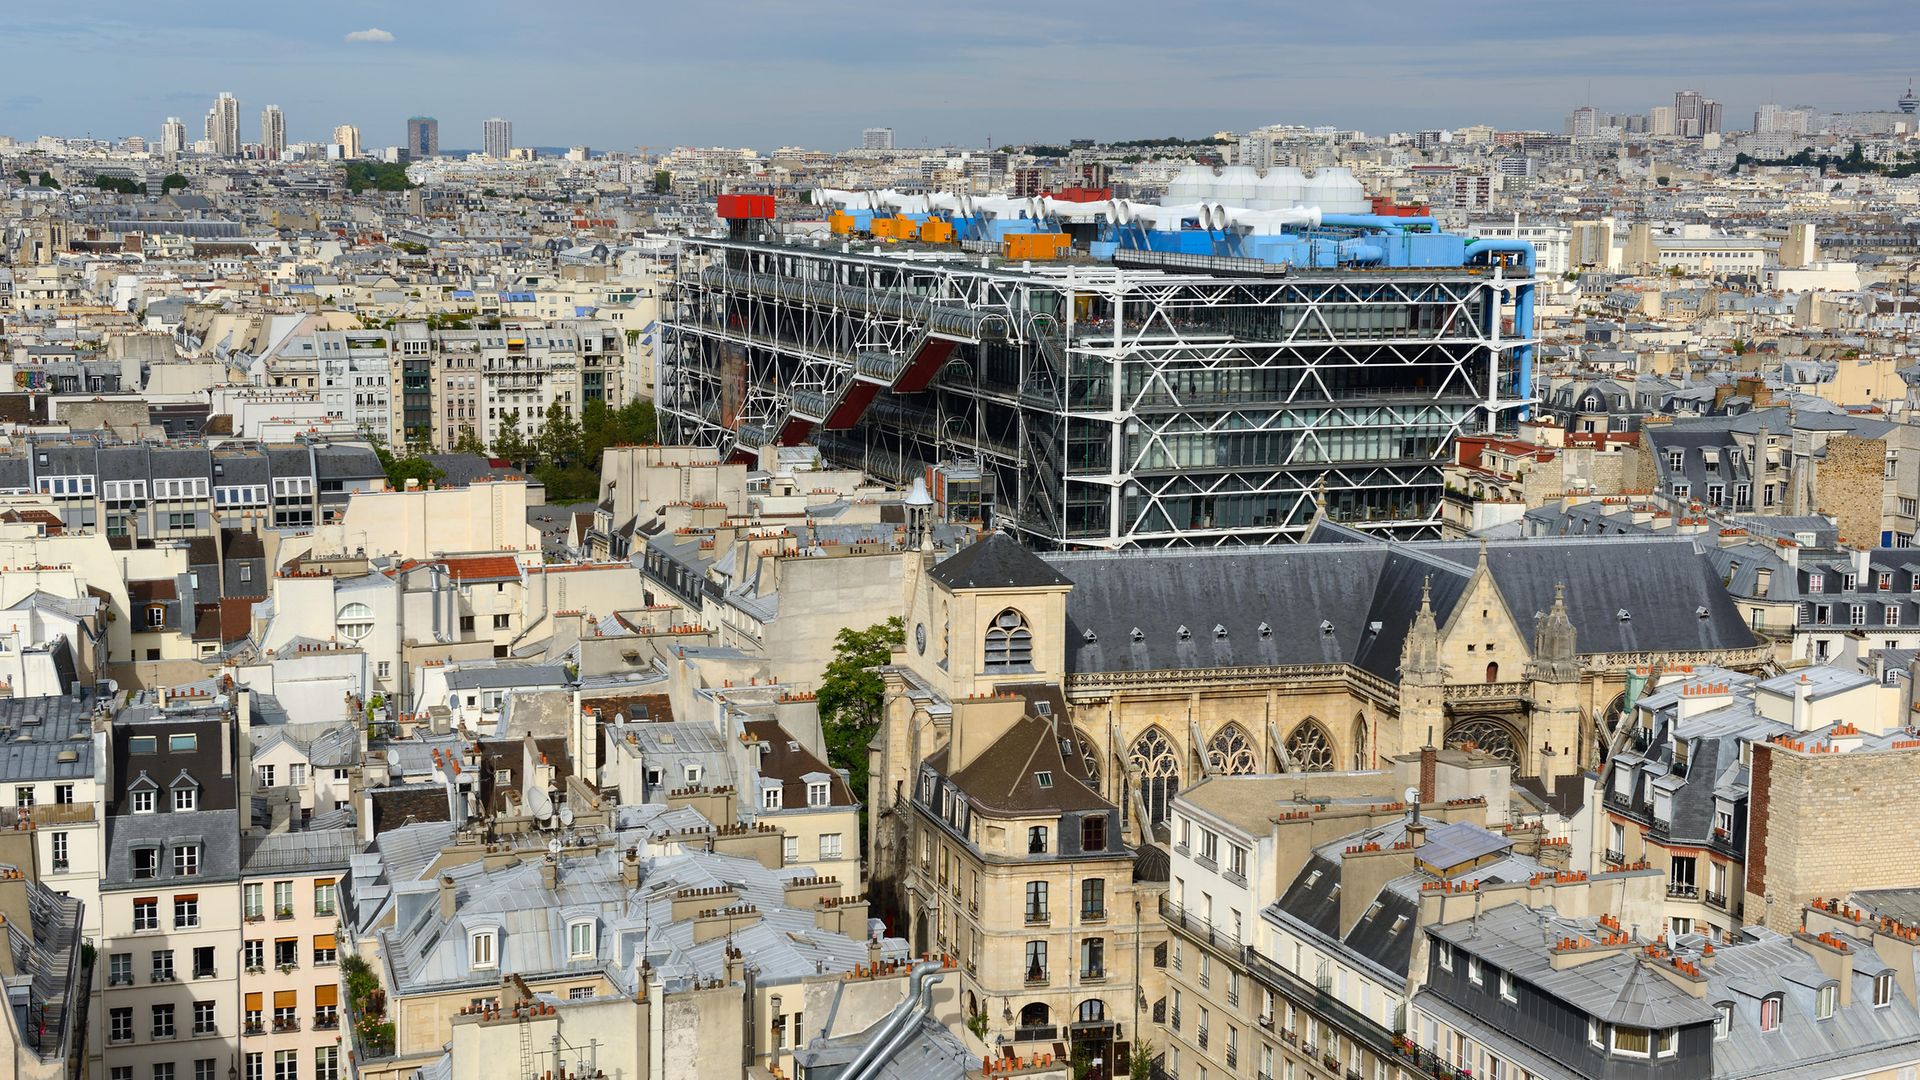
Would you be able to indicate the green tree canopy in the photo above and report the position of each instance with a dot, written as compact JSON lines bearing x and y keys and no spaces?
{"x":468,"y":442}
{"x":852,"y":694}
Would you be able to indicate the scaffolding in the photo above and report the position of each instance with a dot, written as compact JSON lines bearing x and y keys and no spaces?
{"x":1114,"y":406}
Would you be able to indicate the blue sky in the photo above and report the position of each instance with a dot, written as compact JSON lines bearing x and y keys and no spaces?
{"x":744,"y":72}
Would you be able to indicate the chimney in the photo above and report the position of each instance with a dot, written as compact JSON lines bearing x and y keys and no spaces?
{"x":630,"y":869}
{"x":1429,"y":766}
{"x":1802,"y":690}
{"x":550,"y":872}
{"x":446,"y":898}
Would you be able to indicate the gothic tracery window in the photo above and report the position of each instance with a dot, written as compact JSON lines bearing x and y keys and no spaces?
{"x":1483,"y":733}
{"x":1159,"y":769}
{"x":1309,"y":748}
{"x":1089,"y":757}
{"x":1231,"y":752}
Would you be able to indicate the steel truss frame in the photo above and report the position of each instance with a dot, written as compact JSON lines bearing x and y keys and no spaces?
{"x":1114,"y":407}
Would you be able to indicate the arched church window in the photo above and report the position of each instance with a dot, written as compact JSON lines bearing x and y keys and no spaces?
{"x":1231,"y":752}
{"x":1309,"y":748}
{"x":1483,"y":733}
{"x":1159,"y":773}
{"x":1009,"y":642}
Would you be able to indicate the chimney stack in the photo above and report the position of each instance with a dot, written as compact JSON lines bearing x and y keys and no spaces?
{"x":550,"y":872}
{"x":630,"y":869}
{"x":446,"y":898}
{"x":1429,"y":767}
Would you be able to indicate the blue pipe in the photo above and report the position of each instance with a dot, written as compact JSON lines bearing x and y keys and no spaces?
{"x":1376,"y":221}
{"x":1522,"y":304}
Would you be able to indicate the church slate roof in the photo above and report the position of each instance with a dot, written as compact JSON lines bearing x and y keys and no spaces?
{"x":997,"y":562}
{"x":1348,"y":601}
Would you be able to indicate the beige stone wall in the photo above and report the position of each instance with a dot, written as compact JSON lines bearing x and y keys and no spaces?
{"x":1849,"y":485}
{"x":1804,"y":838}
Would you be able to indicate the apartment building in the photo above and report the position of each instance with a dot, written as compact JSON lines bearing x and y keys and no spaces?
{"x":52,"y":778}
{"x":290,"y":952}
{"x":1017,"y":867}
{"x":449,"y":380}
{"x":173,"y":490}
{"x":42,"y":970}
{"x":1528,"y":993}
{"x":169,"y":1005}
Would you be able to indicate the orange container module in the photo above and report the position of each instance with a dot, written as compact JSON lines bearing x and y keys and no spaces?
{"x":841,"y":224}
{"x":1035,"y":245}
{"x":895,"y":228}
{"x":936,"y":231}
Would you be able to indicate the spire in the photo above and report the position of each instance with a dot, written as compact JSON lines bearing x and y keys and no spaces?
{"x":1421,"y":653}
{"x":1554,"y":639}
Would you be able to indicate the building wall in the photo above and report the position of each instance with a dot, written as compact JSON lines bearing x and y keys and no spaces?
{"x":1798,"y":801}
{"x":305,"y":924}
{"x":1850,"y":486}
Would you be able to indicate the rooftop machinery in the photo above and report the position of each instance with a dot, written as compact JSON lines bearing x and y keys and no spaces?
{"x":1195,"y":372}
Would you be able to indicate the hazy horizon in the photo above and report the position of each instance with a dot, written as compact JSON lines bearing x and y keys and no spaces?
{"x":738,"y":73}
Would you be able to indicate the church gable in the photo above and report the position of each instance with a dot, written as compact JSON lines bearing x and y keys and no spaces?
{"x":1481,"y":641}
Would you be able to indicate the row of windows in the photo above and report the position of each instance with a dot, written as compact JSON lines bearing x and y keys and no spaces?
{"x":286,"y":952}
{"x":253,"y":899}
{"x":774,"y":796}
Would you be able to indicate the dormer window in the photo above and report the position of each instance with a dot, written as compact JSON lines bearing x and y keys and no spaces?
{"x":1219,"y":632}
{"x":1043,"y":778}
{"x":1882,"y":990}
{"x":1824,"y":1001}
{"x":1770,"y":1013}
{"x":186,"y":795}
{"x":770,"y":798}
{"x":1137,"y":635}
{"x":143,"y":801}
{"x":1266,"y":632}
{"x":580,"y":939}
{"x":483,"y":948}
{"x":1183,"y":633}
{"x":817,"y":793}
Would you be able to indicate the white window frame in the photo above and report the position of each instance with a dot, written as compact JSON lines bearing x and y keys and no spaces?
{"x":483,"y":949}
{"x":574,"y":929}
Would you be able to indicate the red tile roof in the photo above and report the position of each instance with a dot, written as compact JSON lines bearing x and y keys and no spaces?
{"x":474,"y":567}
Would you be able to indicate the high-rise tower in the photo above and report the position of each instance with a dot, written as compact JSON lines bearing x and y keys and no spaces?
{"x":223,"y":125}
{"x":273,"y":132}
{"x":497,"y":137}
{"x":423,"y":137}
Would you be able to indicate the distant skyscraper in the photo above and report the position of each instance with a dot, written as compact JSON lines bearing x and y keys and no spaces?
{"x":1661,"y":121}
{"x":1582,"y":122}
{"x":347,"y":138}
{"x":1909,"y":103}
{"x":173,"y":138}
{"x":1686,"y":114}
{"x":496,"y":137}
{"x":273,"y":132}
{"x":423,"y":137}
{"x":223,"y":126}
{"x":876,"y":139}
{"x":1710,"y":114}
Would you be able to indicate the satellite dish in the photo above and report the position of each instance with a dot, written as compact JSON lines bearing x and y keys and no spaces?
{"x":539,"y":803}
{"x":553,"y":846}
{"x":566,"y":814}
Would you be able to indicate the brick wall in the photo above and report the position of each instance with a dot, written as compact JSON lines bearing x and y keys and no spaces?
{"x":1822,"y":824}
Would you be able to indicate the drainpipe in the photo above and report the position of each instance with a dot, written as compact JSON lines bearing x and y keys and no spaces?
{"x":898,"y":1027}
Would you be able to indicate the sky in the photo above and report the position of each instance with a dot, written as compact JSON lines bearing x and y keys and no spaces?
{"x":766,"y":73}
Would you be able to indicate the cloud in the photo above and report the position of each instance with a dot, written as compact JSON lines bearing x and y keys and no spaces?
{"x":26,"y":101}
{"x":371,"y":33}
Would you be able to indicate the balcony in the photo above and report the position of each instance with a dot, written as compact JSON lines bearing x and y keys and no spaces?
{"x":1038,"y":918}
{"x":1194,"y":925}
{"x":253,"y":1027}
{"x":284,"y":1024}
{"x":254,"y":916}
{"x":283,"y":912}
{"x":206,"y":1029}
{"x":1045,"y":1033}
{"x":1715,"y":899}
{"x":326,"y":1022}
{"x":1333,"y":1013}
{"x":1098,"y":975}
{"x":1173,"y":1020}
{"x":165,"y":977}
{"x":1682,"y":890}
{"x":1036,"y":976}
{"x":1200,"y":1038}
{"x":205,"y":973}
{"x":1615,"y":858}
{"x":75,"y":813}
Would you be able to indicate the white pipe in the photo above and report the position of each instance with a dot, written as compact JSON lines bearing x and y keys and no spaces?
{"x":1075,"y":211}
{"x":846,"y":200}
{"x":999,"y":206}
{"x":1166,"y":217}
{"x":941,"y":200}
{"x":1259,"y":222}
{"x":904,"y":203}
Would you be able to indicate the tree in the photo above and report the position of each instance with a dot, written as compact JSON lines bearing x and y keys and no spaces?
{"x":403,"y":467}
{"x":173,"y":182}
{"x":851,"y":695}
{"x":1140,"y":1062}
{"x":468,"y":442}
{"x":662,"y":182}
{"x":510,"y":444}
